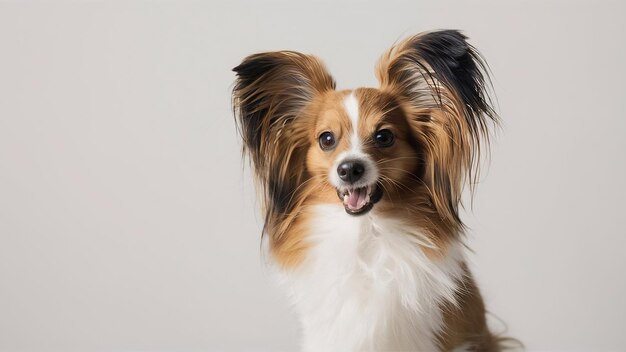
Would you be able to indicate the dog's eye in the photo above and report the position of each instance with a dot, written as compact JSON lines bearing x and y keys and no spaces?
{"x":383,"y":138}
{"x":327,"y":140}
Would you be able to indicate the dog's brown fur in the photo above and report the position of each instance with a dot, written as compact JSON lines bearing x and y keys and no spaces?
{"x":432,"y":97}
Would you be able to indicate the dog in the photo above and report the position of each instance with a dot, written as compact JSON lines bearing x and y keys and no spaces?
{"x":361,"y":191}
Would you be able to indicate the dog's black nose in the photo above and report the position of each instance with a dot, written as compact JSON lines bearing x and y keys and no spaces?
{"x":350,"y":171}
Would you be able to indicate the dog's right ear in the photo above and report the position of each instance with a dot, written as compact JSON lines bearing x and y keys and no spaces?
{"x":271,"y":90}
{"x":270,"y":97}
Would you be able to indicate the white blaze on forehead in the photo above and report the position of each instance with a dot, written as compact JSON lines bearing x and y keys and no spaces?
{"x":355,"y":151}
{"x":351,"y":104}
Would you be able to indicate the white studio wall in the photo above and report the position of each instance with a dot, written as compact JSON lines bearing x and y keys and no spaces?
{"x":128,"y":220}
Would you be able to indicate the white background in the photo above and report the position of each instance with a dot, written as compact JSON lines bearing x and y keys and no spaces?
{"x":127,"y":222}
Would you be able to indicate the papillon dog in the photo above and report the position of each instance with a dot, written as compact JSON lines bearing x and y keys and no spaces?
{"x":361,"y":191}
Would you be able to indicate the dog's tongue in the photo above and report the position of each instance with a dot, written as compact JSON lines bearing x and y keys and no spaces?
{"x":356,"y":199}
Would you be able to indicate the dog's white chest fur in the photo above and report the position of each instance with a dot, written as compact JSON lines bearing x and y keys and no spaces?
{"x":366,"y":285}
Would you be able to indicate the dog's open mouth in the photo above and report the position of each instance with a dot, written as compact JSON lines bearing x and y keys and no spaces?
{"x":360,"y":200}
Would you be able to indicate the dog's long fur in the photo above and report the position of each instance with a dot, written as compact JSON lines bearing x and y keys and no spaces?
{"x":393,"y":277}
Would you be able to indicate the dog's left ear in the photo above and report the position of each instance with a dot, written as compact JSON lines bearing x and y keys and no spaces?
{"x":441,"y":82}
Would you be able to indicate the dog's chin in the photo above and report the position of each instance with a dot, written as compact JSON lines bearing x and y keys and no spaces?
{"x":360,"y":200}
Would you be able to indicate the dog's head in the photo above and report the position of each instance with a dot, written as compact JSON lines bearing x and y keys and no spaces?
{"x":416,"y":138}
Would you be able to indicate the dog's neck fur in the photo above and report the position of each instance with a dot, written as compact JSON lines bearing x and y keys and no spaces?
{"x":367,"y":285}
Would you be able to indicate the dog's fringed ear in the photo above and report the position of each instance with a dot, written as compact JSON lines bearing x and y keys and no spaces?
{"x":442,"y":82}
{"x":271,"y":92}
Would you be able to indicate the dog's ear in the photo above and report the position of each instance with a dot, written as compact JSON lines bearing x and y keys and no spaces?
{"x":441,"y":81}
{"x":272,"y":88}
{"x":270,"y":96}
